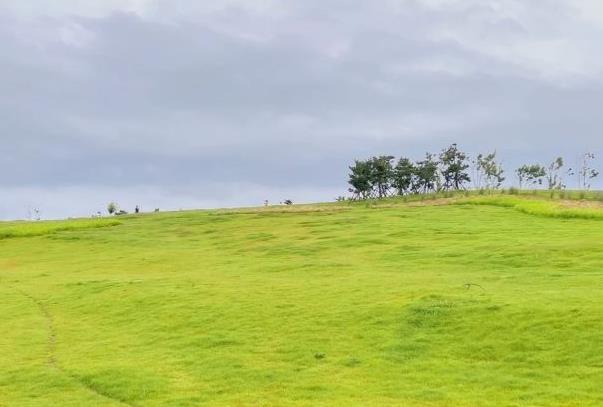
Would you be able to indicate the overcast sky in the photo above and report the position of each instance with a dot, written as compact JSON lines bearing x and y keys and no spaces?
{"x":191,"y":104}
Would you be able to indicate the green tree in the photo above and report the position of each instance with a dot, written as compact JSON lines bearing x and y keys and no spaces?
{"x":426,"y":174}
{"x":360,"y":179}
{"x":586,"y":173}
{"x":454,"y":167}
{"x":382,"y":174}
{"x":404,"y":175}
{"x":553,"y":174}
{"x":488,"y":171}
{"x":530,"y":174}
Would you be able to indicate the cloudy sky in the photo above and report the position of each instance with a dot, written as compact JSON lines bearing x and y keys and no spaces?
{"x":189,"y":104}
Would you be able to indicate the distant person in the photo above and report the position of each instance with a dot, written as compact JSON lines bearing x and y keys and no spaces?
{"x":137,"y":209}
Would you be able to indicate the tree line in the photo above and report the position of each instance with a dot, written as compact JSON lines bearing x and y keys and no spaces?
{"x":453,"y":170}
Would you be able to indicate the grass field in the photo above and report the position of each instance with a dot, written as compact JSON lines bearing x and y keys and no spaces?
{"x":478,"y":301}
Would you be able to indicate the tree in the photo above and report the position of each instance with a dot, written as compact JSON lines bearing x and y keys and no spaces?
{"x":382,"y":174}
{"x":112,"y":208}
{"x":404,"y":176}
{"x":34,"y":213}
{"x":426,"y":173}
{"x":553,"y":174}
{"x":586,"y":173}
{"x":360,"y":178}
{"x":489,"y":171}
{"x":454,"y":167}
{"x":531,"y":174}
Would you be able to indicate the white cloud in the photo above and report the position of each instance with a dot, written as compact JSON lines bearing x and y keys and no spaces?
{"x":32,"y":9}
{"x":75,"y":35}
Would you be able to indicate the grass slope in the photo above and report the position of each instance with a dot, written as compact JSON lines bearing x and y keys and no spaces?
{"x":28,"y":229}
{"x":547,"y":208}
{"x":316,"y":306}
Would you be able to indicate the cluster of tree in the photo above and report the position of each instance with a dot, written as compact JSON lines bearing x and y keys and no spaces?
{"x":113,"y":209}
{"x":531,"y":175}
{"x":383,"y":176}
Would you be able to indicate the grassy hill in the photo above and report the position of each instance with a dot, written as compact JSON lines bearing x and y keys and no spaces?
{"x":466,"y":301}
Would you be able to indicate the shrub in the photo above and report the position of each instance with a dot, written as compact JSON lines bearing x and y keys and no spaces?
{"x":112,"y":208}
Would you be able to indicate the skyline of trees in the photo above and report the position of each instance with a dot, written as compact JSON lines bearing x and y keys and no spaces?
{"x":453,"y":170}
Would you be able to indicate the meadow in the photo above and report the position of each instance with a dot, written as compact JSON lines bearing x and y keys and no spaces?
{"x":447,"y":301}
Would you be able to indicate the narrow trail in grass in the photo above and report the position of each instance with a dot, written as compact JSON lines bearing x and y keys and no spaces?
{"x":52,"y":337}
{"x":52,"y":344}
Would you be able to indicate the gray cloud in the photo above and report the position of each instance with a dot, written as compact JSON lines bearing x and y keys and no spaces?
{"x":184,"y":104}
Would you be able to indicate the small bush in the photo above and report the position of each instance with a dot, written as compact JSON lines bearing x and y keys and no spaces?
{"x":112,"y":208}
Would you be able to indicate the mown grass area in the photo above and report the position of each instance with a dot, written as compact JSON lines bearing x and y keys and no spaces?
{"x":549,"y":208}
{"x":29,"y":229}
{"x":470,"y":302}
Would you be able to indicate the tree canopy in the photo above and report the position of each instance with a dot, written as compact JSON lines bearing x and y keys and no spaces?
{"x":382,"y":176}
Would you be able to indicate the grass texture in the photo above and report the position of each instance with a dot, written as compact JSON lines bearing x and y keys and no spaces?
{"x":476,"y":303}
{"x":29,"y":229}
{"x":538,"y":207}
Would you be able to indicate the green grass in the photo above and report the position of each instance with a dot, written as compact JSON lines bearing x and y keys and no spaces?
{"x":479,"y":303}
{"x":539,"y":207}
{"x":29,"y":229}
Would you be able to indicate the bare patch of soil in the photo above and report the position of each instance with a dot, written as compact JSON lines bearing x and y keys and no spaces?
{"x":567,"y":203}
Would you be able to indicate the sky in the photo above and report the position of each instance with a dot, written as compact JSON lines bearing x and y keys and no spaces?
{"x":185,"y":104}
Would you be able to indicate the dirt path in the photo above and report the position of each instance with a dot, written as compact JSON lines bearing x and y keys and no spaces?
{"x":52,"y":344}
{"x":584,"y":204}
